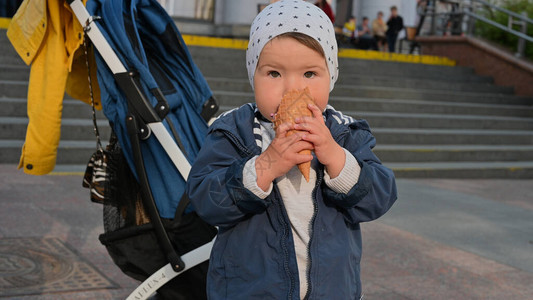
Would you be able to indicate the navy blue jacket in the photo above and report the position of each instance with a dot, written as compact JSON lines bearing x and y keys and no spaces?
{"x":253,"y":256}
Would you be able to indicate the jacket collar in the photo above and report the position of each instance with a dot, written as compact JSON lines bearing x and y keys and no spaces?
{"x":239,"y":121}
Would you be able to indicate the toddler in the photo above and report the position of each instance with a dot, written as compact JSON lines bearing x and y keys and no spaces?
{"x":280,"y":236}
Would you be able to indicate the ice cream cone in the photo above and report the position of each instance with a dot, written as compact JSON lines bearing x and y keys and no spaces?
{"x":294,"y":104}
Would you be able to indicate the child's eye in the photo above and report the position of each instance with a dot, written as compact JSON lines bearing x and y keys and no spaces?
{"x":309,"y":74}
{"x":274,"y":74}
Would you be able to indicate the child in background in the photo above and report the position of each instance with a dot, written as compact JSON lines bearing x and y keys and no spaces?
{"x":378,"y":29}
{"x":349,"y":30}
{"x":281,"y":237}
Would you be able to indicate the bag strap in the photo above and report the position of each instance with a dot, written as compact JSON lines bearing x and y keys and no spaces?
{"x":86,"y":46}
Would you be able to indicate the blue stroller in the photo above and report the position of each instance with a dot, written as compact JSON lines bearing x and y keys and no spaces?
{"x":158,"y":104}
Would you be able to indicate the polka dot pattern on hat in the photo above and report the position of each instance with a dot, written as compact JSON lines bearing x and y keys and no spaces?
{"x":292,"y":16}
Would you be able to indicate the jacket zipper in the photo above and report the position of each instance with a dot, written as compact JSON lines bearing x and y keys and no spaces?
{"x":311,"y":226}
{"x":281,"y":218}
{"x":338,"y":138}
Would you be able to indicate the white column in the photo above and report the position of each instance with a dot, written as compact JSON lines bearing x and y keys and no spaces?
{"x":408,"y":12}
{"x":238,"y":12}
{"x":179,"y":8}
{"x":370,"y":8}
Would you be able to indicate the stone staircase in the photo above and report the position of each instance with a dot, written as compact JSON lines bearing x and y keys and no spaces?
{"x":429,"y":121}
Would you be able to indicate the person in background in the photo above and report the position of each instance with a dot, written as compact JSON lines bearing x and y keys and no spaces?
{"x":324,"y":5}
{"x":394,"y":24}
{"x":349,"y":31}
{"x":365,"y":38}
{"x":378,"y":30}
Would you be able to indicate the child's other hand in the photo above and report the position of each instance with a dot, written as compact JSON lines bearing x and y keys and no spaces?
{"x":327,"y":151}
{"x":281,"y":156}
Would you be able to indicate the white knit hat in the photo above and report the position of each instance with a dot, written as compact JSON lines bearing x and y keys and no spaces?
{"x":292,"y":16}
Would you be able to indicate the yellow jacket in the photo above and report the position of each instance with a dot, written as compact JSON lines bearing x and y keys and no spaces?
{"x":349,"y":29}
{"x":46,"y":34}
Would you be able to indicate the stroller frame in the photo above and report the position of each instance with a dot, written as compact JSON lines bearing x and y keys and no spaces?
{"x":142,"y":121}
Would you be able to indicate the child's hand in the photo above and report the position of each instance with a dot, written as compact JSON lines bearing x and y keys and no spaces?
{"x":327,"y":151}
{"x":281,"y":156}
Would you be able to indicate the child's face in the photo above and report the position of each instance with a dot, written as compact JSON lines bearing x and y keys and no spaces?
{"x":285,"y":64}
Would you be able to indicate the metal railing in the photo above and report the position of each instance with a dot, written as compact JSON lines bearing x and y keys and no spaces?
{"x":468,"y":12}
{"x":513,"y":19}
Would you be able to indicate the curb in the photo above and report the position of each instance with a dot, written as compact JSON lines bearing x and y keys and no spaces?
{"x":4,"y":22}
{"x":241,"y":44}
{"x":396,"y":57}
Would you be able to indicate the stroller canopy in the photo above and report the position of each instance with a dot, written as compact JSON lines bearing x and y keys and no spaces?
{"x":147,"y":41}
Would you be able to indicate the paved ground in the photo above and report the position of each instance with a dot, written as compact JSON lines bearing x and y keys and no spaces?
{"x":443,"y":239}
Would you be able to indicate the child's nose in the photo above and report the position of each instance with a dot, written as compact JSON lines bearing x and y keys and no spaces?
{"x":295,"y":83}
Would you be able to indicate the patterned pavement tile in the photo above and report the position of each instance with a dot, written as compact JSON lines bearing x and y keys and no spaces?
{"x":39,"y":266}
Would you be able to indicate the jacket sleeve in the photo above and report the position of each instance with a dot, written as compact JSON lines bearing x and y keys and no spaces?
{"x":375,"y":191}
{"x":215,"y":184}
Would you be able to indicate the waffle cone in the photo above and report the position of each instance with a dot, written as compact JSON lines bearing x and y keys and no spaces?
{"x":294,"y":104}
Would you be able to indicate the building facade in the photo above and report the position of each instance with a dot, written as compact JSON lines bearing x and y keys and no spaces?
{"x":230,"y":17}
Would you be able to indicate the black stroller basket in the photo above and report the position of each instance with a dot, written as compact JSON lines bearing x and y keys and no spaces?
{"x":144,"y":245}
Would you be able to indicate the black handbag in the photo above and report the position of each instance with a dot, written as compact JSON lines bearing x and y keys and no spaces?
{"x":99,"y":171}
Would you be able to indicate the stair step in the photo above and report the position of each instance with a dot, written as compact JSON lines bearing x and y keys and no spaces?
{"x":403,"y":136}
{"x":69,"y":152}
{"x":420,"y":120}
{"x":447,"y":136}
{"x":457,"y":170}
{"x":348,"y":105}
{"x":429,"y":95}
{"x":408,"y":120}
{"x":397,"y":94}
{"x":243,"y":85}
{"x":465,"y":78}
{"x":14,"y":128}
{"x":453,"y":153}
{"x":13,"y":89}
{"x":356,"y":103}
{"x":435,"y":107}
{"x":74,"y":109}
{"x":423,"y":83}
{"x":14,"y":72}
{"x":238,"y":57}
{"x":496,"y":170}
{"x":11,"y":59}
{"x":7,"y":50}
{"x":232,"y":68}
{"x":230,"y":63}
{"x":354,"y":66}
{"x":73,"y":169}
